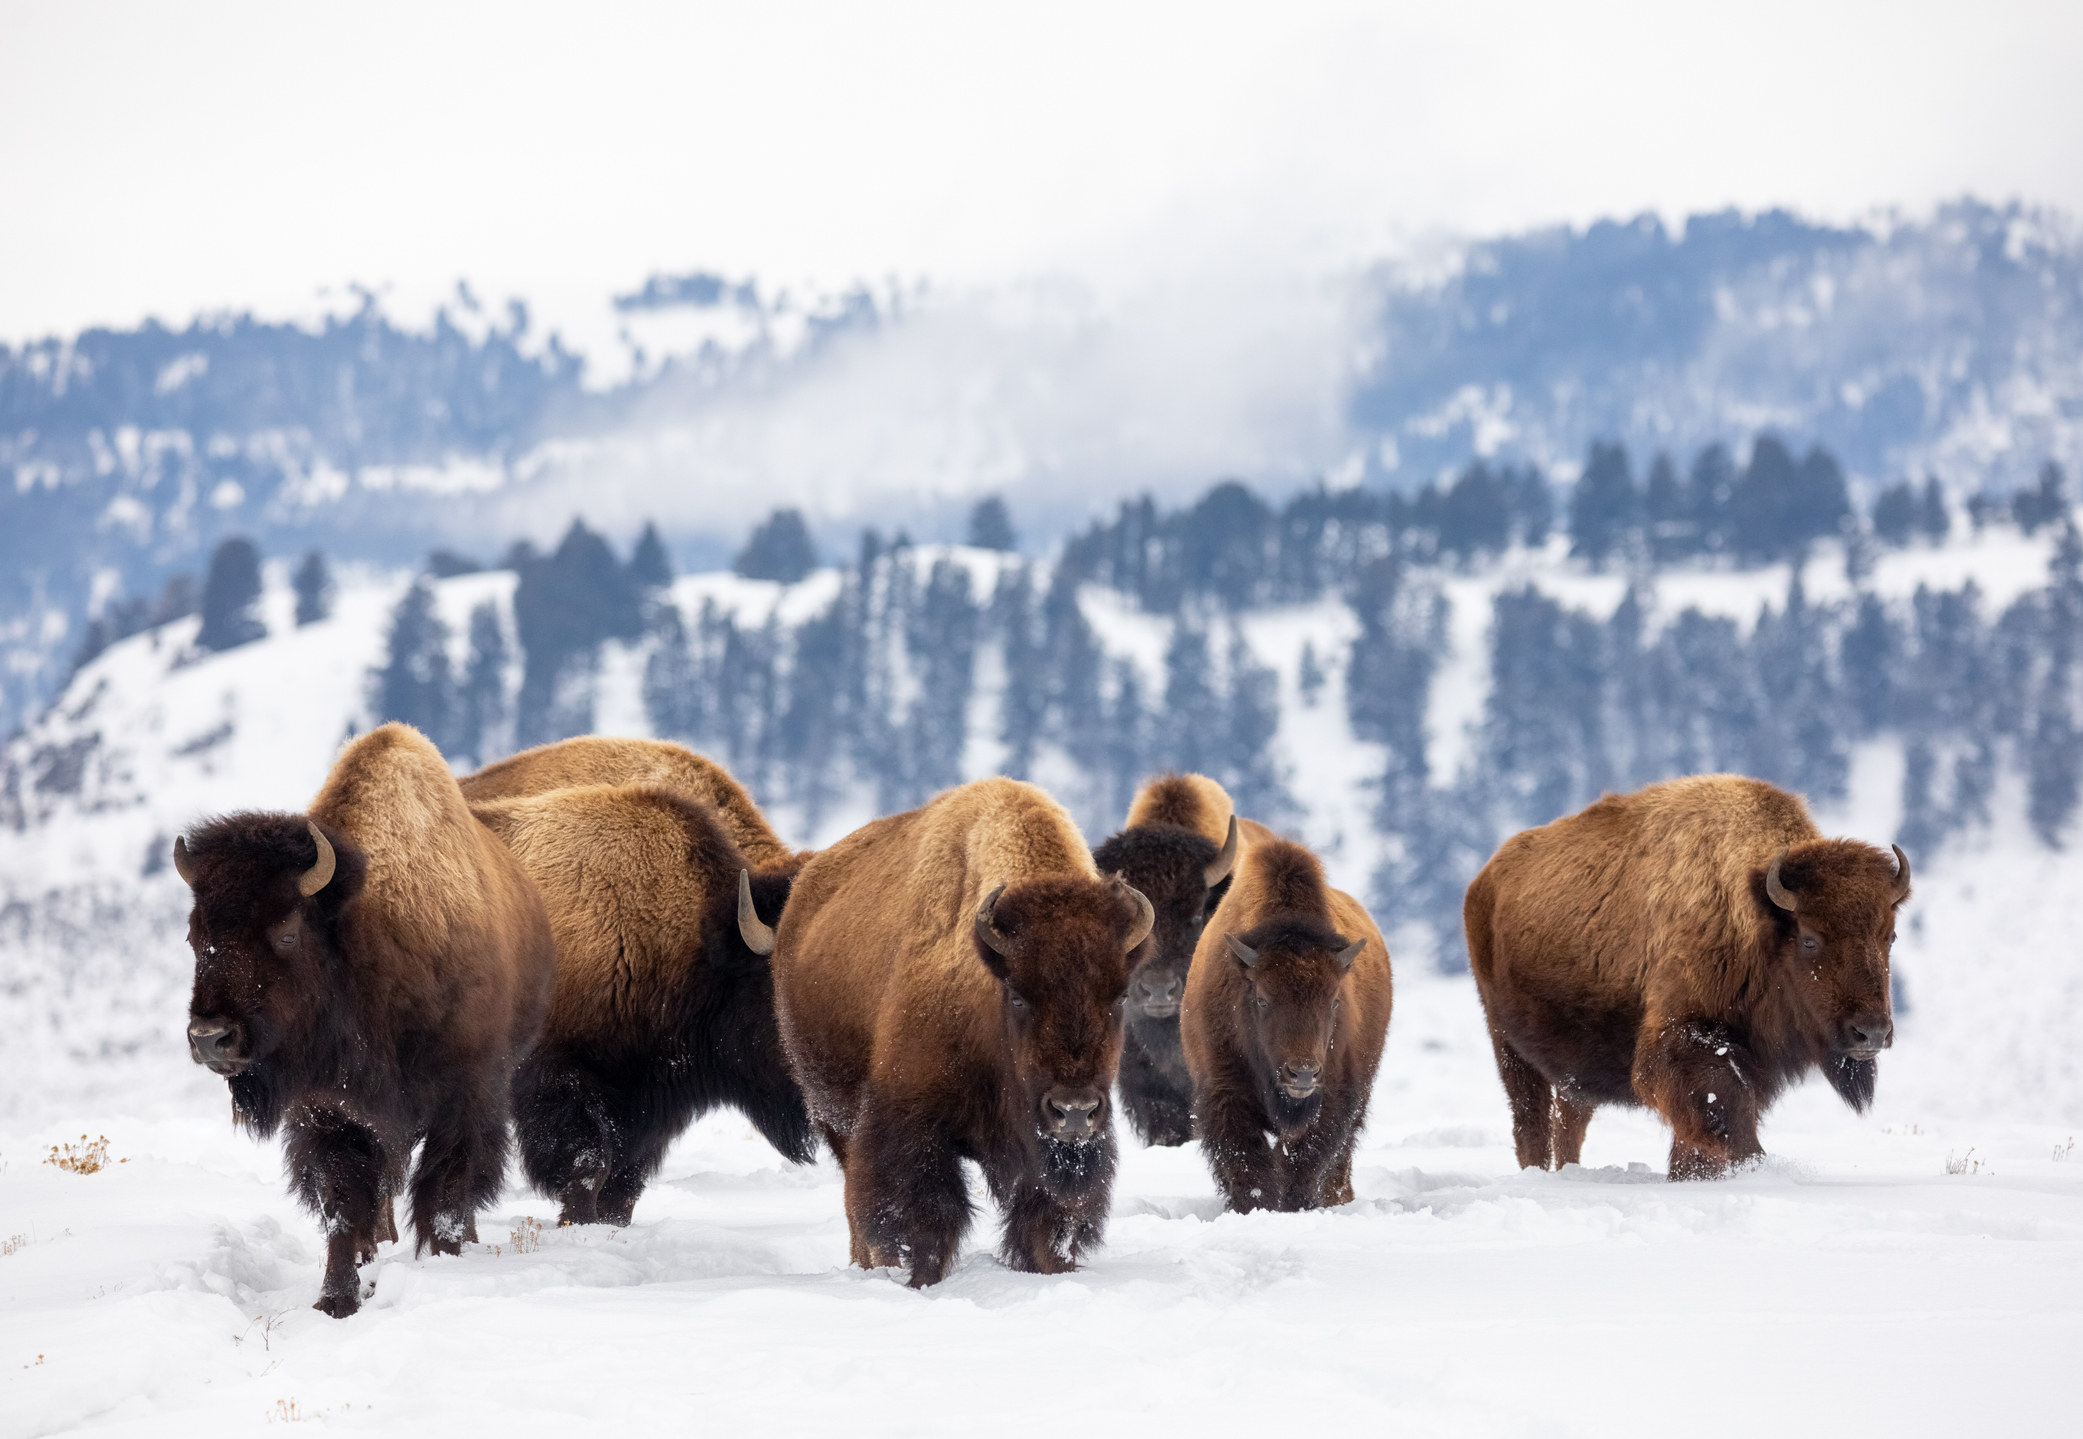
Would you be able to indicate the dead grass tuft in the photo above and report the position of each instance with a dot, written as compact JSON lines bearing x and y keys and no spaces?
{"x":88,"y":1157}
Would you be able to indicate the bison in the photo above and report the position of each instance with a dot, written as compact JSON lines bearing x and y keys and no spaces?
{"x":599,"y":759}
{"x":367,"y":975}
{"x":1287,"y":1009}
{"x":950,"y":985}
{"x":663,"y":1006}
{"x":1692,"y":947}
{"x":1177,"y":848}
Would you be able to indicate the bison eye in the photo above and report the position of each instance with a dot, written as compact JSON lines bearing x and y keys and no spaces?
{"x":286,"y":940}
{"x":1810,"y":942}
{"x":1262,"y":1002}
{"x":1014,"y":996}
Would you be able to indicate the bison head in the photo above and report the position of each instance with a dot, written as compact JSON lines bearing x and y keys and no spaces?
{"x":268,"y":892}
{"x":1294,"y":975}
{"x":1184,"y":876}
{"x":1059,"y":948}
{"x":1831,"y":906}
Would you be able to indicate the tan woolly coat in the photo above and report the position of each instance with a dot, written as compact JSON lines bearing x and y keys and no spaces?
{"x":1184,"y":801}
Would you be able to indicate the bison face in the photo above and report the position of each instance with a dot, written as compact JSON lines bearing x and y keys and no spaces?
{"x":1059,"y":948}
{"x":268,"y":891}
{"x":1184,"y":876}
{"x":1294,"y":976}
{"x":1832,"y":904}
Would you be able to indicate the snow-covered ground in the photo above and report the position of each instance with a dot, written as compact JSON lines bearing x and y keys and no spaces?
{"x":1918,"y":1269}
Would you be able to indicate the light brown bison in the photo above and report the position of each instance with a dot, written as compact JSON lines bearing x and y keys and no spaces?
{"x":663,"y":1006}
{"x":950,"y":984}
{"x":366,"y":977}
{"x":1287,"y":1010}
{"x":1693,"y":947}
{"x":600,"y":759}
{"x":1178,"y":847}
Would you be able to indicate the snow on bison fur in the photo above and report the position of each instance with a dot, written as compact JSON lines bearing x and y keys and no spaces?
{"x":1692,"y":947}
{"x":950,"y":985}
{"x":366,"y":977}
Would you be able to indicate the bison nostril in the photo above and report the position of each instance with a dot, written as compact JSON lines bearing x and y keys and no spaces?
{"x":1299,"y":1079}
{"x":1071,"y":1114}
{"x":1872,"y":1031}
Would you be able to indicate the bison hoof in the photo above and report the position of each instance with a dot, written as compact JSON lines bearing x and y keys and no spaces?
{"x":339,"y":1306}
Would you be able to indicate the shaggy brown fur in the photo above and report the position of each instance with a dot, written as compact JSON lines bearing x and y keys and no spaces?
{"x":660,"y":1010}
{"x":1286,"y":1043}
{"x":598,"y":759}
{"x":386,"y":1009}
{"x":1176,"y":828}
{"x":1630,"y":954}
{"x":919,"y":1045}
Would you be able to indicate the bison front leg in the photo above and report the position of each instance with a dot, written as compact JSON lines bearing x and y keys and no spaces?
{"x":569,"y":1139}
{"x":1701,"y":1079}
{"x":1158,"y":1111}
{"x":1532,"y":1101}
{"x":462,"y":1166}
{"x":1233,"y":1136}
{"x":906,"y":1202}
{"x":338,"y":1168}
{"x":1044,"y":1234}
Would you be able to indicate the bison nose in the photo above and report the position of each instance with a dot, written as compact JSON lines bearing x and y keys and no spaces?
{"x":1871,"y":1033}
{"x":1299,"y":1081}
{"x":1072,"y":1114}
{"x":1158,"y":994}
{"x":214,"y":1043}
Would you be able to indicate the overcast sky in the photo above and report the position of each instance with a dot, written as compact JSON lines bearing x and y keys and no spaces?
{"x":161,"y":159}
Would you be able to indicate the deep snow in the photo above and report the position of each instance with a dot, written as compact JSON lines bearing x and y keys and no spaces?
{"x":1854,"y":1282}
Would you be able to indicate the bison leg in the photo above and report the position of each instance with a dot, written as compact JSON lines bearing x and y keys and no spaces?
{"x":338,"y":1169}
{"x":618,"y":1196}
{"x":1698,"y":1076}
{"x":1043,"y":1235}
{"x":905,"y":1198}
{"x":1158,"y":1108}
{"x":1567,"y":1122}
{"x":1532,"y":1100}
{"x":1320,"y":1160}
{"x":569,"y":1138}
{"x":1233,"y":1136}
{"x":462,"y":1166}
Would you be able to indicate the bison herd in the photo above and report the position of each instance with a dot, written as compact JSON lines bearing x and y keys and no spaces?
{"x":593,"y":943}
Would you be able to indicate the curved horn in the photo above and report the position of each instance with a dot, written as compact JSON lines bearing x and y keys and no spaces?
{"x":1779,"y":893}
{"x":1344,"y":958}
{"x":1219,"y":867}
{"x":183,"y":865}
{"x":1246,"y":955}
{"x":1146,"y":917}
{"x":758,"y":937}
{"x":985,"y":929}
{"x":316,"y":878}
{"x":1901,"y":869}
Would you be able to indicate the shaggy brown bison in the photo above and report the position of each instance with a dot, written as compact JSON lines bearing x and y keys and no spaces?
{"x":1287,"y":1009}
{"x":663,"y":1006}
{"x":599,"y":759}
{"x":366,"y":977}
{"x":1178,"y":847}
{"x":950,"y":985}
{"x":1693,"y":947}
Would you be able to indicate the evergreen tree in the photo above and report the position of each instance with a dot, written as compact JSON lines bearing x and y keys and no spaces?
{"x":415,"y":685}
{"x":1127,"y":740}
{"x":1251,"y":719}
{"x":1604,"y":506}
{"x":1923,"y":825}
{"x":1895,"y":515}
{"x":1673,"y":527}
{"x":650,"y":568}
{"x":991,"y":525}
{"x":1870,"y":653}
{"x":1712,"y":484}
{"x":1192,"y":708}
{"x":1388,"y":678}
{"x":565,"y":605}
{"x":2054,"y":756}
{"x":313,"y":583}
{"x":230,"y":593}
{"x":675,"y":698}
{"x":1533,"y":507}
{"x":2044,"y":504}
{"x":780,"y":549}
{"x":481,"y":703}
{"x":1934,"y":518}
{"x":942,"y":640}
{"x":1309,"y":676}
{"x":1023,"y":709}
{"x":1475,"y":514}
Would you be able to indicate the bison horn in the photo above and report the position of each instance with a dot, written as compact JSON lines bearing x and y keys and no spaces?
{"x":985,"y":929}
{"x":1146,"y":917}
{"x":1779,"y":893}
{"x":183,"y":865}
{"x":1246,"y":955}
{"x":1344,"y":958}
{"x":1901,"y":869}
{"x":316,"y":878}
{"x":758,"y":937}
{"x":1219,"y":867}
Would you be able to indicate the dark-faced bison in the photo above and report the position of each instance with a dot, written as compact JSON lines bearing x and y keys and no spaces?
{"x":950,"y":984}
{"x":1693,"y":947}
{"x":366,"y":977}
{"x":600,"y":759}
{"x":1178,"y":847}
{"x":663,"y":1006}
{"x":1287,"y":1010}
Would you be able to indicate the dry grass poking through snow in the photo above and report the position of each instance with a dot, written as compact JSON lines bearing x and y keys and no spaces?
{"x":527,"y":1235}
{"x":87,"y":1158}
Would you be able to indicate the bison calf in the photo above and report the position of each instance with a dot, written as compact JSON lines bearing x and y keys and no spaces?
{"x":950,"y":984}
{"x":366,"y":976}
{"x":663,"y":1006}
{"x":1692,"y":947}
{"x":1287,"y":1009}
{"x":1178,"y":847}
